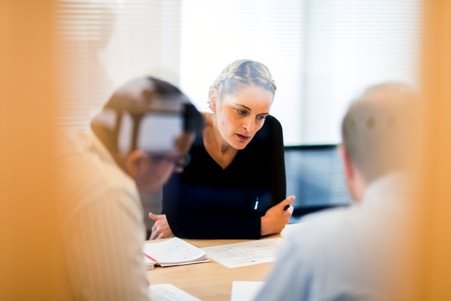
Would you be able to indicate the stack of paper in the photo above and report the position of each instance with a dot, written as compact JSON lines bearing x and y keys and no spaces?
{"x":173,"y":251}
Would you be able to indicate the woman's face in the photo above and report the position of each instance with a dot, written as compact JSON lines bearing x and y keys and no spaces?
{"x":241,"y":115}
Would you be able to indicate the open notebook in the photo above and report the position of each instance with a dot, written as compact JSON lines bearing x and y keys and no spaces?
{"x":172,"y":251}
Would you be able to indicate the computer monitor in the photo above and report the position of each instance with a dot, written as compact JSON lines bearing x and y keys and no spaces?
{"x":315,"y":175}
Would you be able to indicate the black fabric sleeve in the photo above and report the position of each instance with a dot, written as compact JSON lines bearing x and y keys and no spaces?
{"x":268,"y":151}
{"x":277,"y":165}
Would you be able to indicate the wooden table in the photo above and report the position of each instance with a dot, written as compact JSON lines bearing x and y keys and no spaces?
{"x":211,"y":280}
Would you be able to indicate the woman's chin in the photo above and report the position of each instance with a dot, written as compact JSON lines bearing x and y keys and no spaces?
{"x":240,"y":144}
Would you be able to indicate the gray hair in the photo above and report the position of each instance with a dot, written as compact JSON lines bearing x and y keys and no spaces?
{"x":378,"y":129}
{"x":242,"y":73}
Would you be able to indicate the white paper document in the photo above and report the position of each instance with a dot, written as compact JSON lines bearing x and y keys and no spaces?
{"x":169,"y":292}
{"x":245,"y":290}
{"x":244,"y":253}
{"x":173,"y":251}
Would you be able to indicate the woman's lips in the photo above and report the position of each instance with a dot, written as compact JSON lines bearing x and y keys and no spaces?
{"x":243,"y":138}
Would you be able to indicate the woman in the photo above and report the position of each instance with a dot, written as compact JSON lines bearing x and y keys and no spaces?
{"x":234,"y":186}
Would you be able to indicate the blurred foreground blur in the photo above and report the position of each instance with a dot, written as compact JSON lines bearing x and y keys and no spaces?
{"x":31,"y":267}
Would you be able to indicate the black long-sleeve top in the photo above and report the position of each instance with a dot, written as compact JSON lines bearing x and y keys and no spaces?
{"x":207,"y":201}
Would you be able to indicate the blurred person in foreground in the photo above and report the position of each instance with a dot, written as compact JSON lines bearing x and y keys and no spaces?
{"x":139,"y":138}
{"x":357,"y":253}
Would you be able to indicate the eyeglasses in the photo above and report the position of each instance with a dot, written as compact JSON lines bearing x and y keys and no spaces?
{"x":179,"y":161}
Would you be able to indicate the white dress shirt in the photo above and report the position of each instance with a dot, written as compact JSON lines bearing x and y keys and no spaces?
{"x":103,"y":224}
{"x":344,"y":254}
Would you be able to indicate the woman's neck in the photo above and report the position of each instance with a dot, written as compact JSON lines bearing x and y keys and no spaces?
{"x":222,"y":152}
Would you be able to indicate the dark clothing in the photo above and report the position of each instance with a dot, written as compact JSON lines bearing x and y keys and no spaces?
{"x":206,"y":201}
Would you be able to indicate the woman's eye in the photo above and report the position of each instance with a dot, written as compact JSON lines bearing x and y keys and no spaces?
{"x":241,"y":112}
{"x":261,"y":117}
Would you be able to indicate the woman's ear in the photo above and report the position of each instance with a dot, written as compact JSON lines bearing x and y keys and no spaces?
{"x":136,"y":163}
{"x":213,"y":97}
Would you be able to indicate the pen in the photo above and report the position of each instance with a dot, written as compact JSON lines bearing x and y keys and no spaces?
{"x":153,"y":260}
{"x":288,"y":207}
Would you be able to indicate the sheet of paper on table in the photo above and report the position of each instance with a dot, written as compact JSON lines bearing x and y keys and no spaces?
{"x":244,"y":253}
{"x":169,"y":292}
{"x":245,"y":290}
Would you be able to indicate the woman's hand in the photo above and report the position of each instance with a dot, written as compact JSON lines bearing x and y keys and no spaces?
{"x":161,"y":228}
{"x":277,"y":217}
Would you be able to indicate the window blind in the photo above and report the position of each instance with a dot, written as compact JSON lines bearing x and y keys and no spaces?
{"x":321,"y":52}
{"x":105,"y":43}
{"x":350,"y":44}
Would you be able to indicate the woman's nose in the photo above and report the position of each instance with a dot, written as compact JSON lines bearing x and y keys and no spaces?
{"x":248,"y":125}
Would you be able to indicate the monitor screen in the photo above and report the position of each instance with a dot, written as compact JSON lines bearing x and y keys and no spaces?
{"x":315,"y":175}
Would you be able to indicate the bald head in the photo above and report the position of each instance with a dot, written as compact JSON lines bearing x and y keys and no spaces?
{"x":378,"y":129}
